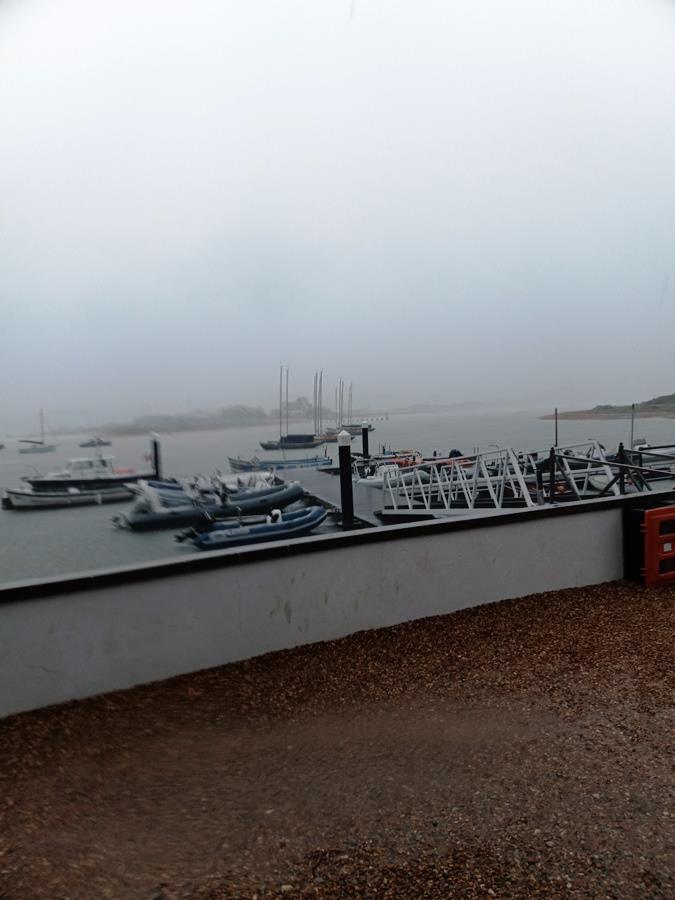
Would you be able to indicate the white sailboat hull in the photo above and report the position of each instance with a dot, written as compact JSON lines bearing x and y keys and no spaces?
{"x":38,"y":448}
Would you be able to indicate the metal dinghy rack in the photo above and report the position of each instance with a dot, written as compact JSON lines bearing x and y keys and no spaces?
{"x":459,"y":486}
{"x":506,"y":479}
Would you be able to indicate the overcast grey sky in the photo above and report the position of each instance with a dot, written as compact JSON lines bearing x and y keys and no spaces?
{"x":441,"y":201}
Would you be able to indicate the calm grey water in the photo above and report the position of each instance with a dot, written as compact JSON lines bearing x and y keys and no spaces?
{"x":40,"y":543}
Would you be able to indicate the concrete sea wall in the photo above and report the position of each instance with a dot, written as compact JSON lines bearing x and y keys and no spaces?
{"x":63,"y":639}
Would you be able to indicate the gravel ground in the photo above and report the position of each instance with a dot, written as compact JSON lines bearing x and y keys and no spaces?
{"x":522,"y":749}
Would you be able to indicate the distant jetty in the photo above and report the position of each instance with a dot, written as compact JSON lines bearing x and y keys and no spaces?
{"x":662,"y":407}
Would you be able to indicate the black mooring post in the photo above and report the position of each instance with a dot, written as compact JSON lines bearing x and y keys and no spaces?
{"x":622,"y":472}
{"x":346,"y":486}
{"x":156,"y":458}
{"x":551,"y":475}
{"x":364,"y":440}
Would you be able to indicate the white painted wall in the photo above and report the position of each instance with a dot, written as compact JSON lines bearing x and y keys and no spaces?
{"x":87,"y":642}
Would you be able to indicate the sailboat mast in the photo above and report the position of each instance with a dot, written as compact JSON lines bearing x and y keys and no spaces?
{"x":316,"y":388}
{"x":286,"y":400}
{"x":321,"y":402}
{"x":350,"y":402}
{"x":42,"y":426}
{"x":281,"y":375}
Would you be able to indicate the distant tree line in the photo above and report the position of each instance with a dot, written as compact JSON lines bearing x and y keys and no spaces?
{"x":228,"y":417}
{"x":664,"y":402}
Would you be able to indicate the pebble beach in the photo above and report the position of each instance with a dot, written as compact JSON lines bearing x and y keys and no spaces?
{"x":519,"y":749}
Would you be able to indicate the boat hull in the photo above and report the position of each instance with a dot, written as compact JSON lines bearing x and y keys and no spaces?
{"x":38,"y":448}
{"x":20,"y":500}
{"x":50,"y":485}
{"x":297,"y":525}
{"x":255,"y":464}
{"x":301,"y":442}
{"x":330,"y":437}
{"x":250,"y":503}
{"x":354,"y":429}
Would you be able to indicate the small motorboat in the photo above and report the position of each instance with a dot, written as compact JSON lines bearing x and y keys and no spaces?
{"x":374,"y":476}
{"x":353,"y":428}
{"x":402,"y":457}
{"x":218,"y":484}
{"x":330,"y":437}
{"x":440,"y":460}
{"x":241,"y":532}
{"x":88,"y":473}
{"x":248,"y":480}
{"x":96,"y":442}
{"x":166,"y":505}
{"x":27,"y":498}
{"x":255,"y":464}
{"x":84,"y":481}
{"x":399,"y":459}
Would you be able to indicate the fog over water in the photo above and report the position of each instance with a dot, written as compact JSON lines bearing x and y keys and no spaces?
{"x":439,"y":201}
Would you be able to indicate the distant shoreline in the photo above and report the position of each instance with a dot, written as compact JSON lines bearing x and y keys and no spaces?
{"x":580,"y":415}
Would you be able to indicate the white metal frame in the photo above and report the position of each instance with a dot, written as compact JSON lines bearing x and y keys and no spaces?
{"x":501,"y":474}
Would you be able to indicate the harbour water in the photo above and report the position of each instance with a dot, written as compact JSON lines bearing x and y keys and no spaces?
{"x":42,"y":543}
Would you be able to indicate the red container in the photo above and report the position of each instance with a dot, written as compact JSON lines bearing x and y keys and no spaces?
{"x":658,"y":529}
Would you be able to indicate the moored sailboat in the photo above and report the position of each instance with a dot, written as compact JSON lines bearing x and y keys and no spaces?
{"x":34,"y":446}
{"x":290,"y":441}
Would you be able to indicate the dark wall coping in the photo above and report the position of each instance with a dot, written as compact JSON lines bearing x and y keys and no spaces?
{"x":52,"y":586}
